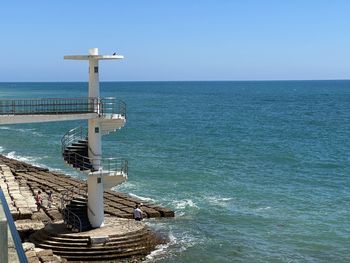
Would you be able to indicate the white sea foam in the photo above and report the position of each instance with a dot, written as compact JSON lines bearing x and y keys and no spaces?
{"x":142,"y":198}
{"x":32,"y":131}
{"x":263,"y":208}
{"x":219,"y":201}
{"x":161,"y":250}
{"x":183,"y":204}
{"x":127,"y":186}
{"x":1,"y":149}
{"x":174,"y":246}
{"x":27,"y":159}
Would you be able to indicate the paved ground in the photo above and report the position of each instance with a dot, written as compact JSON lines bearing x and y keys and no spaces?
{"x":113,"y":225}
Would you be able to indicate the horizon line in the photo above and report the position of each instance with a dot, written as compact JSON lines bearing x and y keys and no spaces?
{"x":257,"y":80}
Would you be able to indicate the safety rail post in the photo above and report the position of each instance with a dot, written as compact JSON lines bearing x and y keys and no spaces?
{"x":14,"y":233}
{"x":3,"y":240}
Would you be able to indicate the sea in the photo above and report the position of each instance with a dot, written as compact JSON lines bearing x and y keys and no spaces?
{"x":256,"y":171}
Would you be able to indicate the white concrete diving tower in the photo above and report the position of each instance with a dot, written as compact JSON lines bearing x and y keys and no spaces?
{"x":95,"y":179}
{"x":81,"y":147}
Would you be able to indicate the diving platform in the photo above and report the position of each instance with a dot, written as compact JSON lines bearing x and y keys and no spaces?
{"x":81,"y":150}
{"x":61,"y":109}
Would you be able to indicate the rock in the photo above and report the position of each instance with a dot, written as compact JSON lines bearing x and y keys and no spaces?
{"x":33,"y":260}
{"x":28,"y":224}
{"x":20,"y":202}
{"x":98,"y":240}
{"x":38,"y":249}
{"x":45,"y":252}
{"x":25,"y":213}
{"x":28,"y":246}
{"x":15,"y":214}
{"x":49,"y":259}
{"x":30,"y":254}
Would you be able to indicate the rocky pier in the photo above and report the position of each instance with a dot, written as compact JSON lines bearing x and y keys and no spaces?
{"x":45,"y":237}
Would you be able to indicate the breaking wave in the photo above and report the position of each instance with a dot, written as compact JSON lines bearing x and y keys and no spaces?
{"x":142,"y":198}
{"x":183,"y":204}
{"x":32,"y":131}
{"x":175,"y":246}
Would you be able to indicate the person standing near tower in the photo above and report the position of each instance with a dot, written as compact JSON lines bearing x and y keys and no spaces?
{"x":137,"y":213}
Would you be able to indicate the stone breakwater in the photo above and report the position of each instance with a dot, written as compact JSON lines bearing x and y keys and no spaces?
{"x":20,"y":181}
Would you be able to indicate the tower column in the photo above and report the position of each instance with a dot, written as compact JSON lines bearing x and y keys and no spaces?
{"x":94,"y":129}
{"x":95,"y":185}
{"x":94,"y":80}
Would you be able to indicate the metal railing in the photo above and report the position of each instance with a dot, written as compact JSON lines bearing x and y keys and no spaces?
{"x":113,"y":166}
{"x":69,"y":217}
{"x":117,"y":165}
{"x":73,"y":135}
{"x":45,"y":106}
{"x":69,"y":194}
{"x":72,"y":219}
{"x":85,"y":163}
{"x":111,"y":105}
{"x":15,"y":236}
{"x":48,"y":106}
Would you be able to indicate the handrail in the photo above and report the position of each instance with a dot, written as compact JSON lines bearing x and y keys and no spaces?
{"x":48,"y":106}
{"x":86,"y":163}
{"x":45,"y":106}
{"x":15,"y":236}
{"x":71,"y":136}
{"x":67,"y":215}
{"x":110,"y":105}
{"x":94,"y":154}
{"x":111,"y":165}
{"x":92,"y":212}
{"x":68,"y":195}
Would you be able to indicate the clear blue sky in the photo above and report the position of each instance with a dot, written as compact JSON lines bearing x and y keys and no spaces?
{"x":176,"y":40}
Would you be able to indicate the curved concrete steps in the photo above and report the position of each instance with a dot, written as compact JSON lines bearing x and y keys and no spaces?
{"x":75,"y":247}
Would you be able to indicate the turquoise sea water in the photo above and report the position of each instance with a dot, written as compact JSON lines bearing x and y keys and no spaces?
{"x":256,"y":171}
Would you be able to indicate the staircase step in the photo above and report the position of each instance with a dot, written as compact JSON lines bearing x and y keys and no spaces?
{"x":80,"y":143}
{"x":96,"y":249}
{"x":43,"y":235}
{"x":80,"y":198}
{"x":76,"y":147}
{"x":77,"y":205}
{"x":116,"y":254}
{"x":78,"y":241}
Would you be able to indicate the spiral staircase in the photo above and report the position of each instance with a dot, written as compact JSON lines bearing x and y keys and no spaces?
{"x":76,"y":153}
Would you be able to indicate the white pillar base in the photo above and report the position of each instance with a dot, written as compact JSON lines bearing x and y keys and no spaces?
{"x":95,"y":201}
